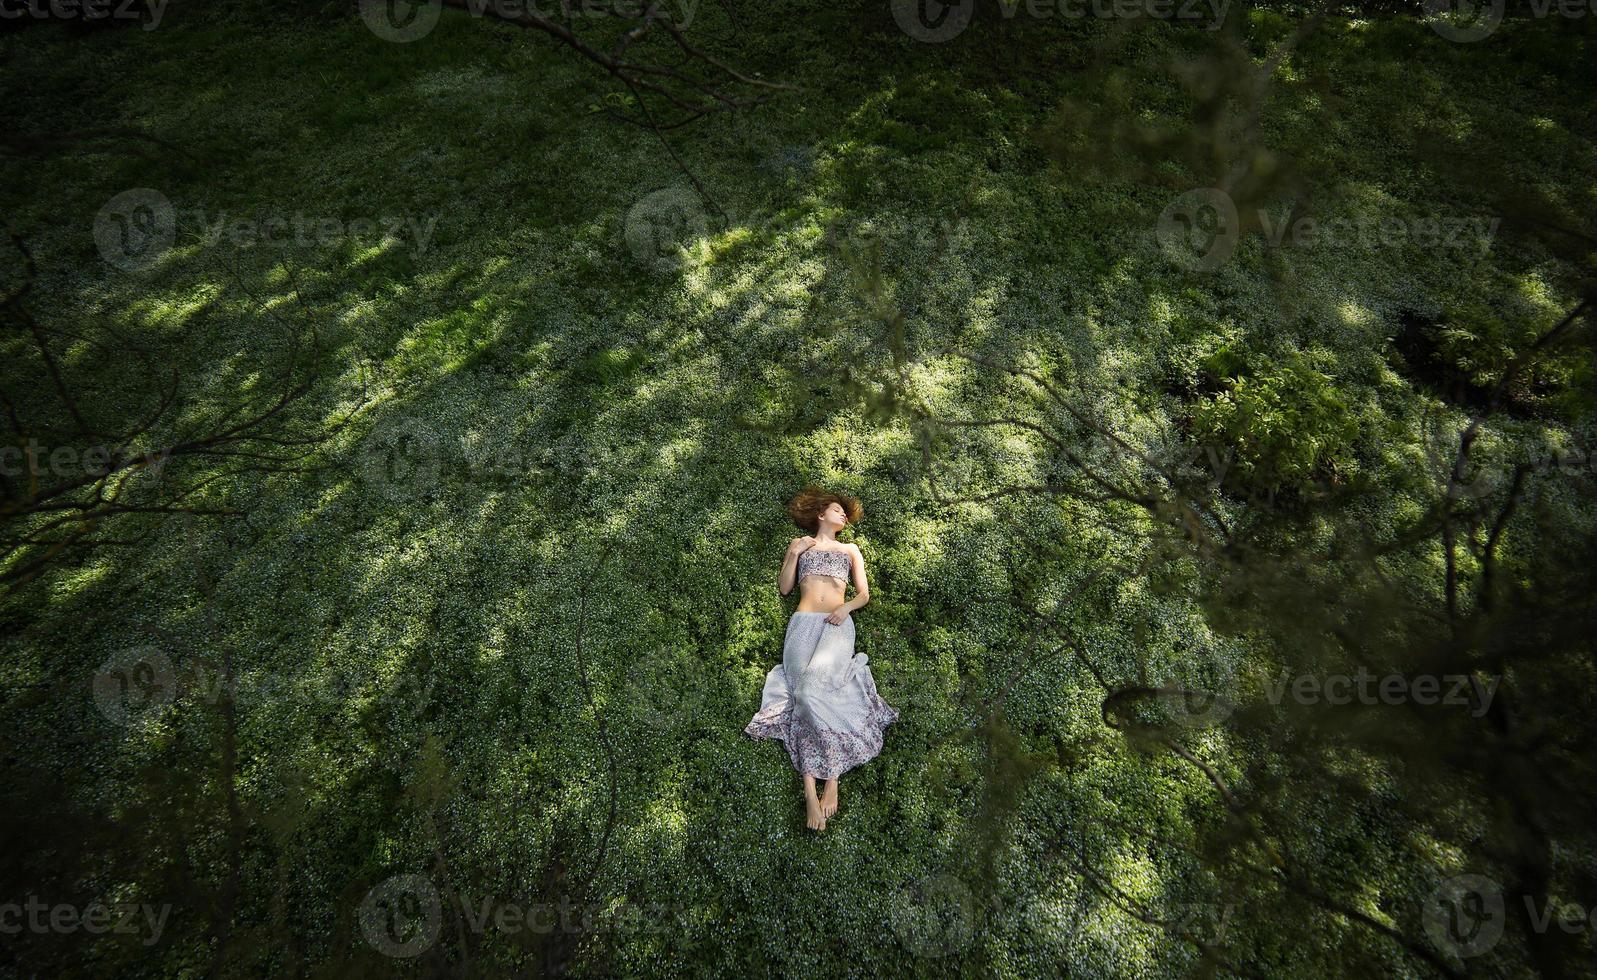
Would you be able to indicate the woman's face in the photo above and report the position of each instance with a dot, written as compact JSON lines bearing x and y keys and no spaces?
{"x":834,"y":514}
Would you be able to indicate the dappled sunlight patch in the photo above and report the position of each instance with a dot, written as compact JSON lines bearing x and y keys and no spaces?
{"x":662,"y":828}
{"x":578,"y":401}
{"x":374,"y":252}
{"x":175,"y":310}
{"x":464,"y":80}
{"x":87,"y":576}
{"x":1355,"y":315}
{"x":446,"y":344}
{"x":672,"y":453}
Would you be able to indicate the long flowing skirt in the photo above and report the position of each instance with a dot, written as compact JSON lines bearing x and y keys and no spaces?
{"x":821,"y":700}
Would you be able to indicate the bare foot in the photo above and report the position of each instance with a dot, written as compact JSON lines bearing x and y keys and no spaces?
{"x":829,"y":798}
{"x":814,"y":818}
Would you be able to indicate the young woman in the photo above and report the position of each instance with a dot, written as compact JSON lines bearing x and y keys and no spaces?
{"x":821,"y":700}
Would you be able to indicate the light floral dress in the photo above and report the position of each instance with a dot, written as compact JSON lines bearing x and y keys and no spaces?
{"x":821,"y":700}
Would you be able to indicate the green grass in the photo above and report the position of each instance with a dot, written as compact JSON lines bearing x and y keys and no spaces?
{"x":598,"y":426}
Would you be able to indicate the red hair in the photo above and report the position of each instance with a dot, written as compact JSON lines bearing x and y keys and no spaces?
{"x":806,"y":508}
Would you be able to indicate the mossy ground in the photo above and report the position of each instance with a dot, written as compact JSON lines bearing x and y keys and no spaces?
{"x":594,"y":422}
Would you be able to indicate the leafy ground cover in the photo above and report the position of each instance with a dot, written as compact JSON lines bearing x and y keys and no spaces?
{"x":506,"y":634}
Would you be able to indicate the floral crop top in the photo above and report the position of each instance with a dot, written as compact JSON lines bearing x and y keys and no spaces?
{"x":833,"y":563}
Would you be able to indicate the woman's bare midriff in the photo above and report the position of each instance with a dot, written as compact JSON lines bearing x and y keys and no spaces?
{"x":821,"y":593}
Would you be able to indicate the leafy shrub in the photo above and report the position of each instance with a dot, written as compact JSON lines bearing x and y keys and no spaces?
{"x":1282,"y":425}
{"x":1462,"y":353}
{"x":1481,"y":341}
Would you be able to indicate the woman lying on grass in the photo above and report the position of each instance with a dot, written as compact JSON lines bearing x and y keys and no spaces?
{"x":821,"y":700}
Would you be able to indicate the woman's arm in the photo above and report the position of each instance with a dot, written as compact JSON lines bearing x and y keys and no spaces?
{"x":784,"y":579}
{"x":862,"y":588}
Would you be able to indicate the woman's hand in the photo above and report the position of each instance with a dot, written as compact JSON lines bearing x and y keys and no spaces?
{"x":801,"y":545}
{"x":838,"y":615}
